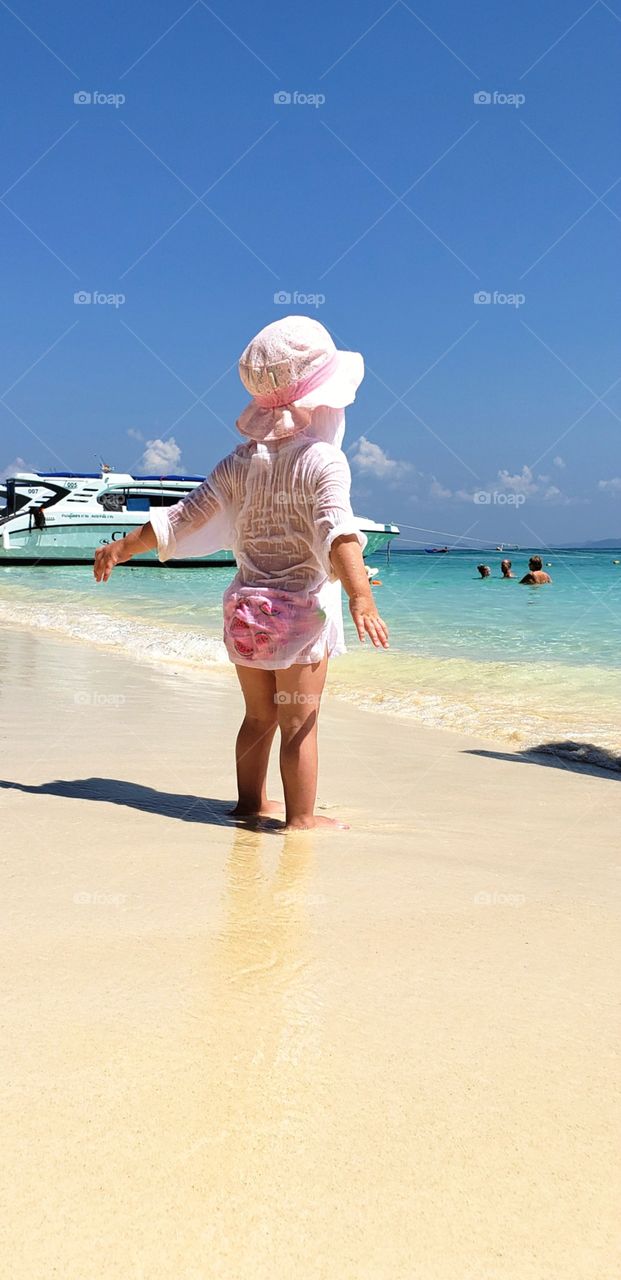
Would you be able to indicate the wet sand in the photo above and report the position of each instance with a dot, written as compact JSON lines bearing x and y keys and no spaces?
{"x":383,"y":1054}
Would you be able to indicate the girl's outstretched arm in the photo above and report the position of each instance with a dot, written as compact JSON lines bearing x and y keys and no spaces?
{"x":120,"y":552}
{"x":166,"y":524}
{"x":348,"y":565}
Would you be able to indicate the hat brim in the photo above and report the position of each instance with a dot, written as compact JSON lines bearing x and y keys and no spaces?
{"x":340,"y":388}
{"x":336,"y":392}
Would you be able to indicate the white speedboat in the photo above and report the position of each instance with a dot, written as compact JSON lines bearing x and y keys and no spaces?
{"x":51,"y":517}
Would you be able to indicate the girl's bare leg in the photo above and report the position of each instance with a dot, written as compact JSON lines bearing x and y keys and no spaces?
{"x":254,"y":740}
{"x":298,"y":697}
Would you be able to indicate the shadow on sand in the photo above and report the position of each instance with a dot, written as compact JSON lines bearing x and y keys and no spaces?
{"x":579,"y":757}
{"x":170,"y":804}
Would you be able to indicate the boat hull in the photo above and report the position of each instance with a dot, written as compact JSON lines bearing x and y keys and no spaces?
{"x":74,"y":544}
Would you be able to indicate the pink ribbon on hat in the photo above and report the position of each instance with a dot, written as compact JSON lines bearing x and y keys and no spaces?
{"x":281,"y":415}
{"x":282,"y":396}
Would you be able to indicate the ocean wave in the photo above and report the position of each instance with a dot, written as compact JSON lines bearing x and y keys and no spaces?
{"x":483,"y":700}
{"x":157,"y":643}
{"x":574,"y":722}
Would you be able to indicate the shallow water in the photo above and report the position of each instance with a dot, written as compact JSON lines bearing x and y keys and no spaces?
{"x":527,"y":665}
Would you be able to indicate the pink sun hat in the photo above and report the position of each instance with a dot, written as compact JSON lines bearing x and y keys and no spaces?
{"x":290,"y":368}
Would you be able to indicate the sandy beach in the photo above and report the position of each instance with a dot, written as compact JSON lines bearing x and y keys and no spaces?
{"x":380,"y":1054}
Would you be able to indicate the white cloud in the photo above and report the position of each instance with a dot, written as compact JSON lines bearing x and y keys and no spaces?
{"x":612,"y":486}
{"x":161,"y":456}
{"x":552,"y":494}
{"x":559,"y":462}
{"x":135,"y":435}
{"x":13,"y":467}
{"x":523,"y":482}
{"x":438,"y":490}
{"x":537,"y":488}
{"x":371,"y":459}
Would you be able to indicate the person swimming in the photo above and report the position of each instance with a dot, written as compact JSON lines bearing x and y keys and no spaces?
{"x":484,"y":570}
{"x":505,"y":569}
{"x":536,"y":576}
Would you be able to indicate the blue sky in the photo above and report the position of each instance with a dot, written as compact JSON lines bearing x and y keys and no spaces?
{"x":393,"y":202}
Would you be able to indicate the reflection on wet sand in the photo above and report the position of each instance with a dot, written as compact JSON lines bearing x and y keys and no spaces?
{"x":263,"y":1029}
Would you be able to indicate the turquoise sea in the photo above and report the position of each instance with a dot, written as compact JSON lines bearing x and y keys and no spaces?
{"x":530,"y":666}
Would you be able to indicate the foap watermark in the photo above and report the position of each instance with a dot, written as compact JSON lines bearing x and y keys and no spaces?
{"x":296,"y":699}
{"x":282,"y":298}
{"x":498,"y":498}
{"x":84,"y":298}
{"x":90,"y":898}
{"x":98,"y":699}
{"x":483,"y":298}
{"x":84,"y":98}
{"x":482,"y":98}
{"x":496,"y":899}
{"x":296,"y":99}
{"x":291,"y":498}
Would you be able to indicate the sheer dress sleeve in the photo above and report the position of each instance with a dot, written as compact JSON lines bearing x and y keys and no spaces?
{"x":191,"y":513}
{"x":333,"y":513}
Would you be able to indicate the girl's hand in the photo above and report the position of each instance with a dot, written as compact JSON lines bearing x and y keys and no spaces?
{"x":107,"y":557}
{"x":367,"y":621}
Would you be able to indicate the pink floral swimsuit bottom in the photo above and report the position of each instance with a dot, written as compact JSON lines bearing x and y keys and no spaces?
{"x":271,"y":629}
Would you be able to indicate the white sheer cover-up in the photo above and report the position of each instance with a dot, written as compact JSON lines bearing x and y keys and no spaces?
{"x":279,"y":506}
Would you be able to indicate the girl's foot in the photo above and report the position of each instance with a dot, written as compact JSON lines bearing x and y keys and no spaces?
{"x":268,"y":809}
{"x":308,"y":824}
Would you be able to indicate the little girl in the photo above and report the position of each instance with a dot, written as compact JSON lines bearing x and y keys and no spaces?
{"x":281,"y":501}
